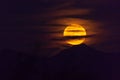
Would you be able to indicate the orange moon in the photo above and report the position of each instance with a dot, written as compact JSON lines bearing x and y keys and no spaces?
{"x":75,"y":30}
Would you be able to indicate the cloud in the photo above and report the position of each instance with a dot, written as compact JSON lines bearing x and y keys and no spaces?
{"x":72,"y":37}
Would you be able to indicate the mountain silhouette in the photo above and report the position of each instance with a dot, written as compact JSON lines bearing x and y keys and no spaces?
{"x":82,"y":62}
{"x":79,"y":62}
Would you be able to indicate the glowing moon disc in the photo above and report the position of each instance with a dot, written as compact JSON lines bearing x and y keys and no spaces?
{"x":75,"y":30}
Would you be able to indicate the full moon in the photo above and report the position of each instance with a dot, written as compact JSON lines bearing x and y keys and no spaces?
{"x":75,"y":34}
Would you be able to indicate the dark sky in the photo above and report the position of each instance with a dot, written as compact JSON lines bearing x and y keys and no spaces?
{"x":25,"y":23}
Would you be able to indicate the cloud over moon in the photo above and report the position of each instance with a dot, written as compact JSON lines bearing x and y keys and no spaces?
{"x":26,"y":24}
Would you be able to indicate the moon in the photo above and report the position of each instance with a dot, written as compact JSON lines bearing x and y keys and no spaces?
{"x":75,"y":34}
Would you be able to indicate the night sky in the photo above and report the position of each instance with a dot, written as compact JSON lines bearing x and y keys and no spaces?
{"x":31,"y":36}
{"x":26,"y":24}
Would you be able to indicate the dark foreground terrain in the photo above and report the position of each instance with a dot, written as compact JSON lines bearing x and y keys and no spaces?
{"x":76,"y":63}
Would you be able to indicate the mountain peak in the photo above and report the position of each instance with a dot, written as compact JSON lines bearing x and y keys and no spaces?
{"x":80,"y":46}
{"x":79,"y":50}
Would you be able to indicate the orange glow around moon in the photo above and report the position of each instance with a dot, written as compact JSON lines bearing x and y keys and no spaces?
{"x":75,"y":30}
